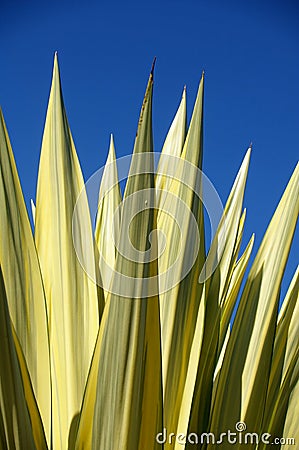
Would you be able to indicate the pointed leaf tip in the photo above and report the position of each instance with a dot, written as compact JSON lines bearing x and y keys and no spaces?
{"x":153,"y":66}
{"x":55,"y":57}
{"x":248,"y":154}
{"x":56,"y":73}
{"x":111,"y":143}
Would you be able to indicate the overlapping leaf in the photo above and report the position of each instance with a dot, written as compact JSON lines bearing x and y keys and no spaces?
{"x":284,"y":373}
{"x":226,"y":240}
{"x":180,"y":304}
{"x":20,"y":423}
{"x":243,"y":380}
{"x":122,"y":407}
{"x":22,"y":278}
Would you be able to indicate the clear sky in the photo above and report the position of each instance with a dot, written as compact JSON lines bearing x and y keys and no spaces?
{"x":249,"y":51}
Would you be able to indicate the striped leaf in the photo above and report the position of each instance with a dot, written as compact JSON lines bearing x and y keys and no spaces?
{"x":243,"y":381}
{"x":180,"y":303}
{"x":108,"y":219}
{"x":173,"y":146}
{"x":71,"y":295}
{"x":22,"y":278}
{"x":226,"y":236}
{"x":122,"y":408}
{"x":20,"y":423}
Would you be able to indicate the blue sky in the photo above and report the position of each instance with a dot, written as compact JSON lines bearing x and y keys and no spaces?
{"x":250,"y":54}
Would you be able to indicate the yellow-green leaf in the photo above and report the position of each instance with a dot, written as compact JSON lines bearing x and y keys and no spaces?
{"x":70,"y":292}
{"x":233,"y":290}
{"x":108,"y":219}
{"x":20,"y":423}
{"x":180,"y":292}
{"x":243,"y":381}
{"x":291,"y":427}
{"x":122,"y":408}
{"x":22,"y":278}
{"x":285,"y":368}
{"x":281,"y":341}
{"x":187,"y":397}
{"x":223,"y":251}
{"x":173,"y":146}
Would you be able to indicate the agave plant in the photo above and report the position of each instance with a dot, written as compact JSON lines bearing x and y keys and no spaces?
{"x":148,"y":354}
